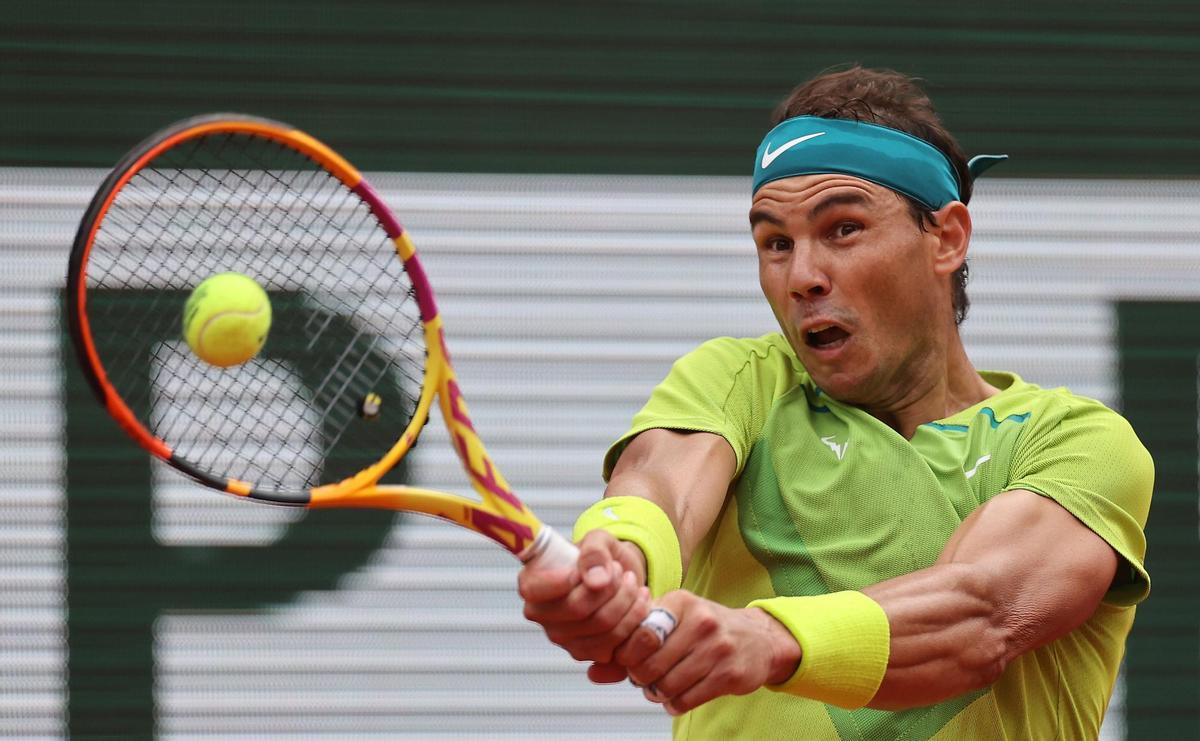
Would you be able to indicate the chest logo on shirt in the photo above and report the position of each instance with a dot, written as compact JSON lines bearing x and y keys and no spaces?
{"x":838,"y":450}
{"x":982,"y":459}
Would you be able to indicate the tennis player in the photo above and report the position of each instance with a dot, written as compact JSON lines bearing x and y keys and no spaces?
{"x":856,"y":533}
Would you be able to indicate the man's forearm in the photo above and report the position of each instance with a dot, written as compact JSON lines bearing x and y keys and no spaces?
{"x":686,"y":474}
{"x":948,"y":635}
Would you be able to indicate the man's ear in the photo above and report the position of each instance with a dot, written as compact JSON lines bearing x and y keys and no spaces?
{"x":954,"y":235}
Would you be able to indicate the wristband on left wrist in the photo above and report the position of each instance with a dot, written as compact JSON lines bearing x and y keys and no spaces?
{"x":642,"y":522}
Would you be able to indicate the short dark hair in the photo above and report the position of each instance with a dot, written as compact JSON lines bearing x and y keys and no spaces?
{"x":888,"y":98}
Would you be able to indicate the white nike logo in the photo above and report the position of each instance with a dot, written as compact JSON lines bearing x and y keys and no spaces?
{"x":769,"y":156}
{"x":610,"y":514}
{"x":839,"y":450}
{"x":982,"y":459}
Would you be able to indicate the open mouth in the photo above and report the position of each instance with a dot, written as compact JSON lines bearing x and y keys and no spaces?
{"x":825,"y":338}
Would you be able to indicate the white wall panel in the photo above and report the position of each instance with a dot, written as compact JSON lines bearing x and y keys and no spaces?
{"x":566,"y":299}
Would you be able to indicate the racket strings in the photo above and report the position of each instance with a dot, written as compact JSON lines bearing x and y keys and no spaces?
{"x":355,"y":354}
{"x":215,"y":204}
{"x":345,"y":319}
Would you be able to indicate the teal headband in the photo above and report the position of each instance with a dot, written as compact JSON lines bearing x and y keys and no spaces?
{"x":808,"y":145}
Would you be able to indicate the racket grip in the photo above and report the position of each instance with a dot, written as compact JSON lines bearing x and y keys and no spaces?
{"x":549,"y":550}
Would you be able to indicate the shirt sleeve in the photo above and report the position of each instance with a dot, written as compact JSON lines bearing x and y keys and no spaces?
{"x":1089,"y":460}
{"x":725,"y":387}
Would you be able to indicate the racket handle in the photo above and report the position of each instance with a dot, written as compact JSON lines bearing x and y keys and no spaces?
{"x":549,"y":550}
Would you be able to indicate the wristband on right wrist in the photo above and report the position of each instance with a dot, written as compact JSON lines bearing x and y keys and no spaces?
{"x":845,"y":640}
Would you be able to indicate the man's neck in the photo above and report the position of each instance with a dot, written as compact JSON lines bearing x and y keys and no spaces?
{"x":948,"y":385}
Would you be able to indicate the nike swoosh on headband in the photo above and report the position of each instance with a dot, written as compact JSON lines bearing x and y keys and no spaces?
{"x":769,"y":156}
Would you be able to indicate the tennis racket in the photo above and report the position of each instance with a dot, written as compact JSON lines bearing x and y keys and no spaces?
{"x":356,"y":352}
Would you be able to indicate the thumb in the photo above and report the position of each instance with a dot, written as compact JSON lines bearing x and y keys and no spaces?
{"x":596,"y":563}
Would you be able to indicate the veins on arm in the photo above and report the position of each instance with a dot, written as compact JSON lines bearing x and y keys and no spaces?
{"x":1018,"y":573}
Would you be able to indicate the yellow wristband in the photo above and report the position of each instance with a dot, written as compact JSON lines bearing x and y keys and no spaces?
{"x":844,"y":641}
{"x":644,"y":524}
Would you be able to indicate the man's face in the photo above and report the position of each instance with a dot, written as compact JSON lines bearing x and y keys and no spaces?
{"x":852,"y":281}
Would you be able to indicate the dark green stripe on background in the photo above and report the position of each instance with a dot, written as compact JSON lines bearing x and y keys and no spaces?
{"x":1159,"y":346}
{"x":618,"y":87}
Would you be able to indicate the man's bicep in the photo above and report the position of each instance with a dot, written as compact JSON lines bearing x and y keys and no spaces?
{"x":687,"y":474}
{"x":1050,"y":570}
{"x":1091,"y":462}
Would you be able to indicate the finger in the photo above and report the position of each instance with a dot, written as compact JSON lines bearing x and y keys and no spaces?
{"x":632,"y":558}
{"x":546,"y":585}
{"x":633,"y":617}
{"x":647,"y":638}
{"x":645,"y":657}
{"x":691,"y":670}
{"x":652,"y":693}
{"x":602,"y":673}
{"x":597,"y":539}
{"x":636,"y":649}
{"x":648,"y":662}
{"x":648,"y":691}
{"x":596,"y":559}
{"x":612,"y":573}
{"x":576,"y":606}
{"x":661,"y":622}
{"x":579,"y":605}
{"x":585,"y":645}
{"x":619,"y":611}
{"x":700,"y":692}
{"x":599,"y":625}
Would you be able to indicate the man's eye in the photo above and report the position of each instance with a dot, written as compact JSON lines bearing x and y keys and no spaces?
{"x":777,"y":245}
{"x":847,"y":228}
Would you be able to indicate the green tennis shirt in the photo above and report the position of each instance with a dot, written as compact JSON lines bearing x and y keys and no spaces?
{"x":829,"y":498}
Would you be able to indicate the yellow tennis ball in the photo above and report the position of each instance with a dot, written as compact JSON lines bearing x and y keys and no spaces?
{"x":226,"y":319}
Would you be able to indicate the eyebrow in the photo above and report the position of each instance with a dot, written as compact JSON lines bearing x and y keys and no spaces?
{"x":758,"y":215}
{"x":840,"y":199}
